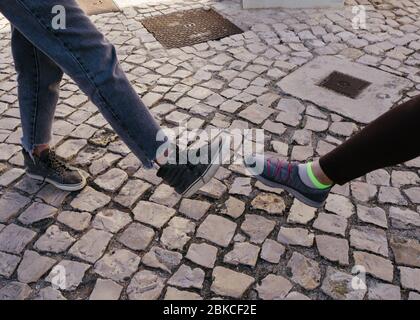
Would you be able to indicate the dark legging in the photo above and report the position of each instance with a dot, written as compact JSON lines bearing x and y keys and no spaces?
{"x":391,"y":139}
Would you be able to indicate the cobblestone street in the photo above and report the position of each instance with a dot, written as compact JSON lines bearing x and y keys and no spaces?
{"x":129,"y":236}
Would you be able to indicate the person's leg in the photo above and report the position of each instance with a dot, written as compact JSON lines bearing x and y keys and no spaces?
{"x":90,"y":60}
{"x":38,"y":80}
{"x":389,"y":140}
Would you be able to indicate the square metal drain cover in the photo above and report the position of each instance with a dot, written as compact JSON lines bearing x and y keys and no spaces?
{"x":344,"y":84}
{"x":92,"y":7}
{"x":186,"y":28}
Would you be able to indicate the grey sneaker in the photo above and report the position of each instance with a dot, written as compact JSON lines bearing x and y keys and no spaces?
{"x":285,"y":175}
{"x":49,"y":168}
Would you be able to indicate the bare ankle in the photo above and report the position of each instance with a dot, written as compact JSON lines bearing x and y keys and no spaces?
{"x":320,"y":174}
{"x":39,"y":148}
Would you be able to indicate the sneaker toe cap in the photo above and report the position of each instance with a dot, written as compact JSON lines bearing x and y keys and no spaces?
{"x":74,"y":177}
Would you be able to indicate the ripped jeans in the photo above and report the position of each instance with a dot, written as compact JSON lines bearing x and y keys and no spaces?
{"x":42,"y":53}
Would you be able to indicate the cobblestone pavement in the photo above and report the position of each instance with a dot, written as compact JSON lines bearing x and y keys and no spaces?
{"x":127,"y":236}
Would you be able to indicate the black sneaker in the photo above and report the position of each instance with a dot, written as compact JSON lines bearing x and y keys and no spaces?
{"x":48,"y":167}
{"x":187,"y":176}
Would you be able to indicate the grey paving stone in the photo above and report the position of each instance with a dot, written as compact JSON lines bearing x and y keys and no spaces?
{"x":230,"y":283}
{"x":130,"y":164}
{"x":272,"y":251}
{"x":75,"y":220}
{"x":383,"y":291}
{"x":374,"y":215}
{"x":402,"y":178}
{"x":54,"y":240}
{"x":214,"y":189}
{"x":410,"y":278}
{"x":159,"y":258}
{"x":404,"y":218}
{"x":333,"y":249}
{"x":36,"y":212}
{"x":331,"y":223}
{"x":118,"y":265}
{"x":186,"y":277}
{"x":131,"y":192}
{"x":151,"y":98}
{"x":52,"y":196}
{"x":413,"y":194}
{"x":145,"y":285}
{"x":243,"y":253}
{"x":300,"y":213}
{"x":175,"y":294}
{"x":305,"y":272}
{"x":178,"y":233}
{"x":153,"y":214}
{"x":194,"y":209}
{"x":10,"y":176}
{"x":391,"y":195}
{"x":112,"y":180}
{"x":378,"y":177}
{"x":233,"y":207}
{"x":406,"y":251}
{"x":370,"y":239}
{"x":111,"y":220}
{"x":10,"y":204}
{"x":296,"y":296}
{"x":363,"y":191}
{"x":375,"y":265}
{"x":99,"y":166}
{"x":340,"y":205}
{"x":338,"y":285}
{"x":8,"y":264}
{"x":137,"y":236}
{"x":28,"y":185}
{"x":274,"y":287}
{"x":217,"y":229}
{"x":256,"y":113}
{"x":91,"y":246}
{"x":14,"y":239}
{"x":257,"y":227}
{"x":33,"y":266}
{"x":67,"y":275}
{"x":15,"y":291}
{"x":413,"y":296}
{"x":70,"y":148}
{"x":202,"y":254}
{"x":49,"y":293}
{"x":106,"y":290}
{"x":90,"y":200}
{"x":295,"y":236}
{"x":165,"y":195}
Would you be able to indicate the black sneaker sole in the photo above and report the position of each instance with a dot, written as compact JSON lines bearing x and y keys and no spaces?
{"x":294,"y":192}
{"x":64,"y":187}
{"x":208,"y":174}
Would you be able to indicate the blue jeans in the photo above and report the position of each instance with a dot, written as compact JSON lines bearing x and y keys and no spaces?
{"x":42,"y":53}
